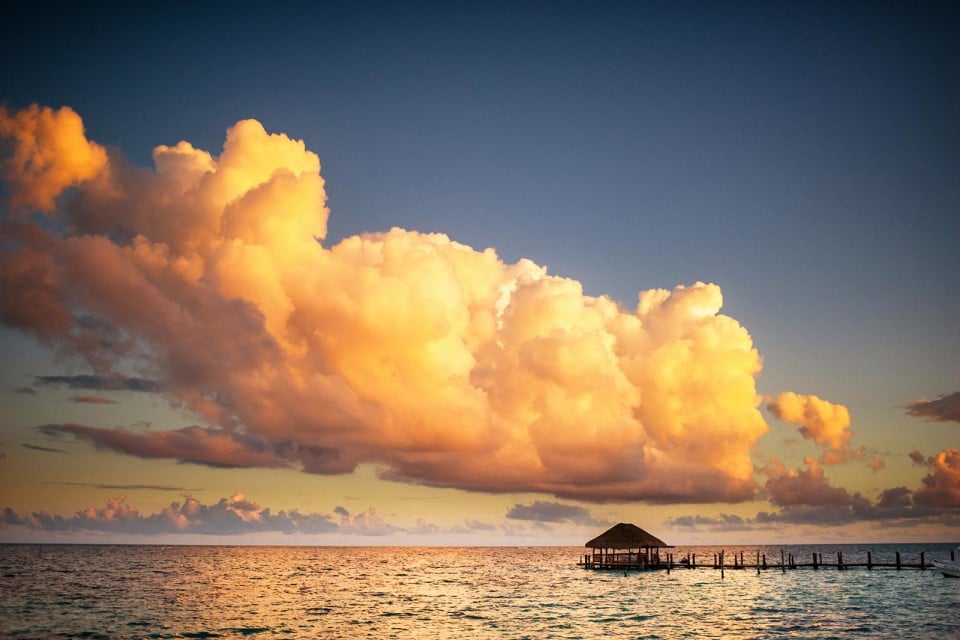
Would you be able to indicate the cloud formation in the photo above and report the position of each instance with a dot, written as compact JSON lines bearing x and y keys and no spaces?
{"x":809,"y":486}
{"x":441,"y":364}
{"x":92,"y":400}
{"x":544,"y":511}
{"x":36,"y":447}
{"x":130,"y":487}
{"x":806,"y":497}
{"x":941,"y":487}
{"x":229,"y":516}
{"x":943,"y":409}
{"x":97,"y":383}
{"x":212,"y":447}
{"x":49,"y":153}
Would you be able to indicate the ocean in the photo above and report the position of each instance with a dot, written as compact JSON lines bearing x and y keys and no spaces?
{"x":142,"y":591}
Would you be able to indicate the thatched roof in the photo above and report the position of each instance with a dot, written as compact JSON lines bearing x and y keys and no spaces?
{"x":625,"y":536}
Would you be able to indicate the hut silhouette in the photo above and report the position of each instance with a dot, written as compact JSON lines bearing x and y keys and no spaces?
{"x":623,"y":546}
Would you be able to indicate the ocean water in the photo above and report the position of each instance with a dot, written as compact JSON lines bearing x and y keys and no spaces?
{"x":82,"y":591}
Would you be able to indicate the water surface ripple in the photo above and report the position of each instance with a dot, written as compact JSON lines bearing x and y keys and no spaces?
{"x":80,"y":591}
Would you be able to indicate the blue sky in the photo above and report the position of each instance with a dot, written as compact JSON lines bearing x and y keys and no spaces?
{"x":805,"y":157}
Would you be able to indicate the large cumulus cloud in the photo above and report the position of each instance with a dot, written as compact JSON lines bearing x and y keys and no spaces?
{"x":442,"y":364}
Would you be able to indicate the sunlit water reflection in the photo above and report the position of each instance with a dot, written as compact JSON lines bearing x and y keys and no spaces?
{"x":294,"y":592}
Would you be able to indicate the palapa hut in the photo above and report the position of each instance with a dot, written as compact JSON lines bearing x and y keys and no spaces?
{"x":624,"y":545}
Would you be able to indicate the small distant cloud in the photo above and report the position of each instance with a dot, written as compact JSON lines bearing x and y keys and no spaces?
{"x":477,"y":525}
{"x":341,"y":511}
{"x":26,"y":391}
{"x":946,"y":408}
{"x":92,"y":400}
{"x":941,"y":487}
{"x":10,"y":517}
{"x":422,"y":527}
{"x":722,"y":522}
{"x":825,"y":423}
{"x":36,"y":447}
{"x":367,"y":523}
{"x":99,"y":383}
{"x":918,"y":458}
{"x":790,"y":487}
{"x":542,"y":511}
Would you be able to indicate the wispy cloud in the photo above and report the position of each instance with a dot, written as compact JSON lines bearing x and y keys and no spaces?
{"x":945,"y":408}
{"x":131,"y":487}
{"x":92,"y":400}
{"x":211,"y":447}
{"x":26,"y":391}
{"x":98,"y":383}
{"x":36,"y":447}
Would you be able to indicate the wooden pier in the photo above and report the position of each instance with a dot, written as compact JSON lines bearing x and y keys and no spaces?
{"x":656,"y":561}
{"x":627,"y":547}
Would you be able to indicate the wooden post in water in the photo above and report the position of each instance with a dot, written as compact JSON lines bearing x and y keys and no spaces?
{"x":840,"y":560}
{"x":783,"y":567}
{"x":721,"y":565}
{"x":741,"y":559}
{"x":923,"y":565}
{"x":951,"y":556}
{"x":815,"y":560}
{"x":869,"y":561}
{"x":898,"y":561}
{"x":758,"y":563}
{"x":764,"y":561}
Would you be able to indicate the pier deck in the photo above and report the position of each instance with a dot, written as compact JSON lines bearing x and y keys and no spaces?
{"x":719,"y":561}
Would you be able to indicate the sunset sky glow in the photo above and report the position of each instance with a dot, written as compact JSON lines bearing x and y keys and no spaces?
{"x":472,"y":273}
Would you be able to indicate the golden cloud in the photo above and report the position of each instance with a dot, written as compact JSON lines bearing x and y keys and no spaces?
{"x":440,"y":363}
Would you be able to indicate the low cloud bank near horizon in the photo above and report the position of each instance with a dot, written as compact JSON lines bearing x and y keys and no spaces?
{"x":237,"y":515}
{"x":806,"y":497}
{"x":442,"y":364}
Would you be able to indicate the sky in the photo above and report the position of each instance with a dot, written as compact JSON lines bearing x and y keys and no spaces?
{"x":479,"y":273}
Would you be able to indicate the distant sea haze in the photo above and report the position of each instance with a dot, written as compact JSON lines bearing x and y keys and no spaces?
{"x":133,"y":591}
